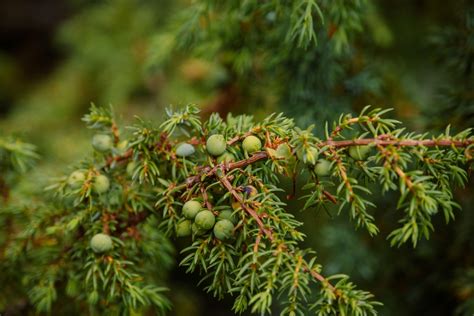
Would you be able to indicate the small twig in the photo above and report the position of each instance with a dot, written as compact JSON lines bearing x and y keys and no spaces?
{"x":297,"y":272}
{"x":115,"y":132}
{"x":403,"y":143}
{"x":196,"y":141}
{"x":206,"y":198}
{"x":342,"y":172}
{"x":339,"y":128}
{"x":330,"y":197}
{"x":123,"y":157}
{"x":387,"y":155}
{"x":225,"y":182}
{"x":405,"y":178}
{"x":268,"y":141}
{"x":105,"y":223}
{"x":211,"y":171}
{"x":234,"y":140}
{"x":237,"y":138}
{"x":257,"y":242}
{"x":321,"y":279}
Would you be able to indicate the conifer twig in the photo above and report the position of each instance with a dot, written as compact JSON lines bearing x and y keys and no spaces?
{"x":269,"y":234}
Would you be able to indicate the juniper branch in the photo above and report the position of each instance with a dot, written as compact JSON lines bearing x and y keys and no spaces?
{"x":209,"y":171}
{"x":401,"y":142}
{"x":268,"y":233}
{"x":263,"y":226}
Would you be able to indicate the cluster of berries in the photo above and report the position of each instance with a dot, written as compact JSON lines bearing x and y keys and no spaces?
{"x":199,"y":221}
{"x":216,"y":146}
{"x":101,"y":183}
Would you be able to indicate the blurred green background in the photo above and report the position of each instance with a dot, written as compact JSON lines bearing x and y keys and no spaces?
{"x":416,"y":56}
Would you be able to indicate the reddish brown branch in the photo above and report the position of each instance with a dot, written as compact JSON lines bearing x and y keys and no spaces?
{"x":115,"y":132}
{"x":387,"y":155}
{"x":403,"y":176}
{"x":211,"y":171}
{"x":342,"y":172}
{"x":257,"y":242}
{"x":105,"y":223}
{"x":123,"y":157}
{"x":206,"y":198}
{"x":237,"y":138}
{"x":297,"y":271}
{"x":225,"y":182}
{"x":330,"y":197}
{"x":252,"y":159}
{"x":406,"y":142}
{"x":321,"y":279}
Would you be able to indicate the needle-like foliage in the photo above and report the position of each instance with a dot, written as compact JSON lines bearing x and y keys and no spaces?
{"x":132,"y":195}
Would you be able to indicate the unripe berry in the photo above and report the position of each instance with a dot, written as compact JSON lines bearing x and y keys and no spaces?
{"x":102,"y":142}
{"x":191,"y":208}
{"x":284,"y":151}
{"x":216,"y":145}
{"x":101,"y":243}
{"x":226,"y":157}
{"x":359,"y":152}
{"x":76,"y":179}
{"x":322,"y":168}
{"x":228,"y":215}
{"x":309,"y":155}
{"x":223,"y":229}
{"x":251,"y":144}
{"x":205,"y":220}
{"x":101,"y":184}
{"x":184,"y":228}
{"x":185,"y":150}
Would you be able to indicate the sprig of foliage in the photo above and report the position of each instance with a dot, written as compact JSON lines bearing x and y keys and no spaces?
{"x":259,"y":258}
{"x":99,"y":117}
{"x":16,"y":155}
{"x":303,"y":30}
